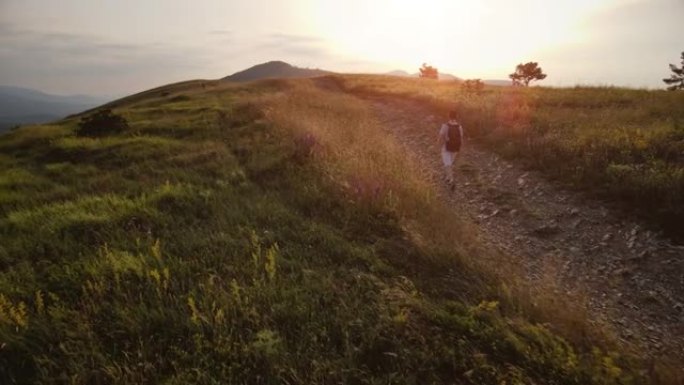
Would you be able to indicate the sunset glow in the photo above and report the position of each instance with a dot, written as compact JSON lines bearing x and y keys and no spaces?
{"x":85,"y":46}
{"x":474,"y":37}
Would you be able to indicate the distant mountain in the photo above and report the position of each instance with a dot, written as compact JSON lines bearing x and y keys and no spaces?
{"x":445,"y":76}
{"x":401,"y":73}
{"x":404,"y":74}
{"x":274,"y":69}
{"x":497,"y":82}
{"x":25,"y":106}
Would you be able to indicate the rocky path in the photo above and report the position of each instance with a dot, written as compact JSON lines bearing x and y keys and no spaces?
{"x":633,"y":278}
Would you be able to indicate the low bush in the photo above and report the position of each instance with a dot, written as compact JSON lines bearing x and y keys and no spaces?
{"x":101,"y":123}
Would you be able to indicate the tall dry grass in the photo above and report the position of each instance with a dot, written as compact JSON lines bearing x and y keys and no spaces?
{"x":623,"y":145}
{"x":355,"y":151}
{"x":344,"y":136}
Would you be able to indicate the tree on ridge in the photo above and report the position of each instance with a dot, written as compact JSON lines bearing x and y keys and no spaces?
{"x":428,"y":72}
{"x":525,"y":73}
{"x":676,"y":80}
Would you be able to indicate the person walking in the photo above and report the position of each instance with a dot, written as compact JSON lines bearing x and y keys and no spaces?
{"x":450,"y":141}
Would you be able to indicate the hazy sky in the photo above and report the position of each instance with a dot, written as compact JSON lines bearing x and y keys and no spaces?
{"x":116,"y":47}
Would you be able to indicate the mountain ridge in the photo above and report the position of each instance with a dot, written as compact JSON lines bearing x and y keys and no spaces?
{"x":448,"y":76}
{"x":20,"y":105}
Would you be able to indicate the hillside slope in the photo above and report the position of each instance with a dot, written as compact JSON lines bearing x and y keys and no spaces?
{"x":262,"y":233}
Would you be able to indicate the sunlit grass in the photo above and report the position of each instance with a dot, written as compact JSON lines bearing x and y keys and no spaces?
{"x":266,"y":233}
{"x":621,"y":144}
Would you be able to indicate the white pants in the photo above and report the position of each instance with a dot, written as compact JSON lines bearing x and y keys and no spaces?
{"x":448,"y":159}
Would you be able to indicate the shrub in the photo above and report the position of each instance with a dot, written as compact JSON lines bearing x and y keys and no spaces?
{"x":305,"y":145}
{"x":472,"y":86}
{"x":101,"y":123}
{"x":180,"y":98}
{"x":428,"y":72}
{"x":525,"y":73}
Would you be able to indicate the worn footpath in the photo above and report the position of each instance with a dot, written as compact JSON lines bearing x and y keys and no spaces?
{"x":633,"y":278}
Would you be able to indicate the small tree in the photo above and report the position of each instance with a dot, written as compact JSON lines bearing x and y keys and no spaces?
{"x":101,"y":123}
{"x":429,"y":72}
{"x":525,"y":73}
{"x":472,"y":86}
{"x":676,"y":80}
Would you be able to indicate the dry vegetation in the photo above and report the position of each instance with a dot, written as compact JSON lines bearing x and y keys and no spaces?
{"x":624,"y":145}
{"x":266,"y":233}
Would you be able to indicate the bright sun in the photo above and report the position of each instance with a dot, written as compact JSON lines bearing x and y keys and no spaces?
{"x":397,"y":30}
{"x":464,"y":36}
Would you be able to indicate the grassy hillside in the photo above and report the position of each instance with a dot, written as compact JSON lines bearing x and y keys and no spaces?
{"x":624,"y":145}
{"x":259,"y":233}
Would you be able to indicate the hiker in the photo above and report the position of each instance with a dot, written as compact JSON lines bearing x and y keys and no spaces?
{"x":450,"y":140}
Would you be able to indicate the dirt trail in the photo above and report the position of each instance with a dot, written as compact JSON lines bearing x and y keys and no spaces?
{"x":634,"y":278}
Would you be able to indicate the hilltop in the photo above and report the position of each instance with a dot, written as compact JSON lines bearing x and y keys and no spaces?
{"x":274,"y":69}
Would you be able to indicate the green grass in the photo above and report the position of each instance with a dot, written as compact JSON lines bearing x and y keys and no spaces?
{"x":212,"y":244}
{"x":625,"y":146}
